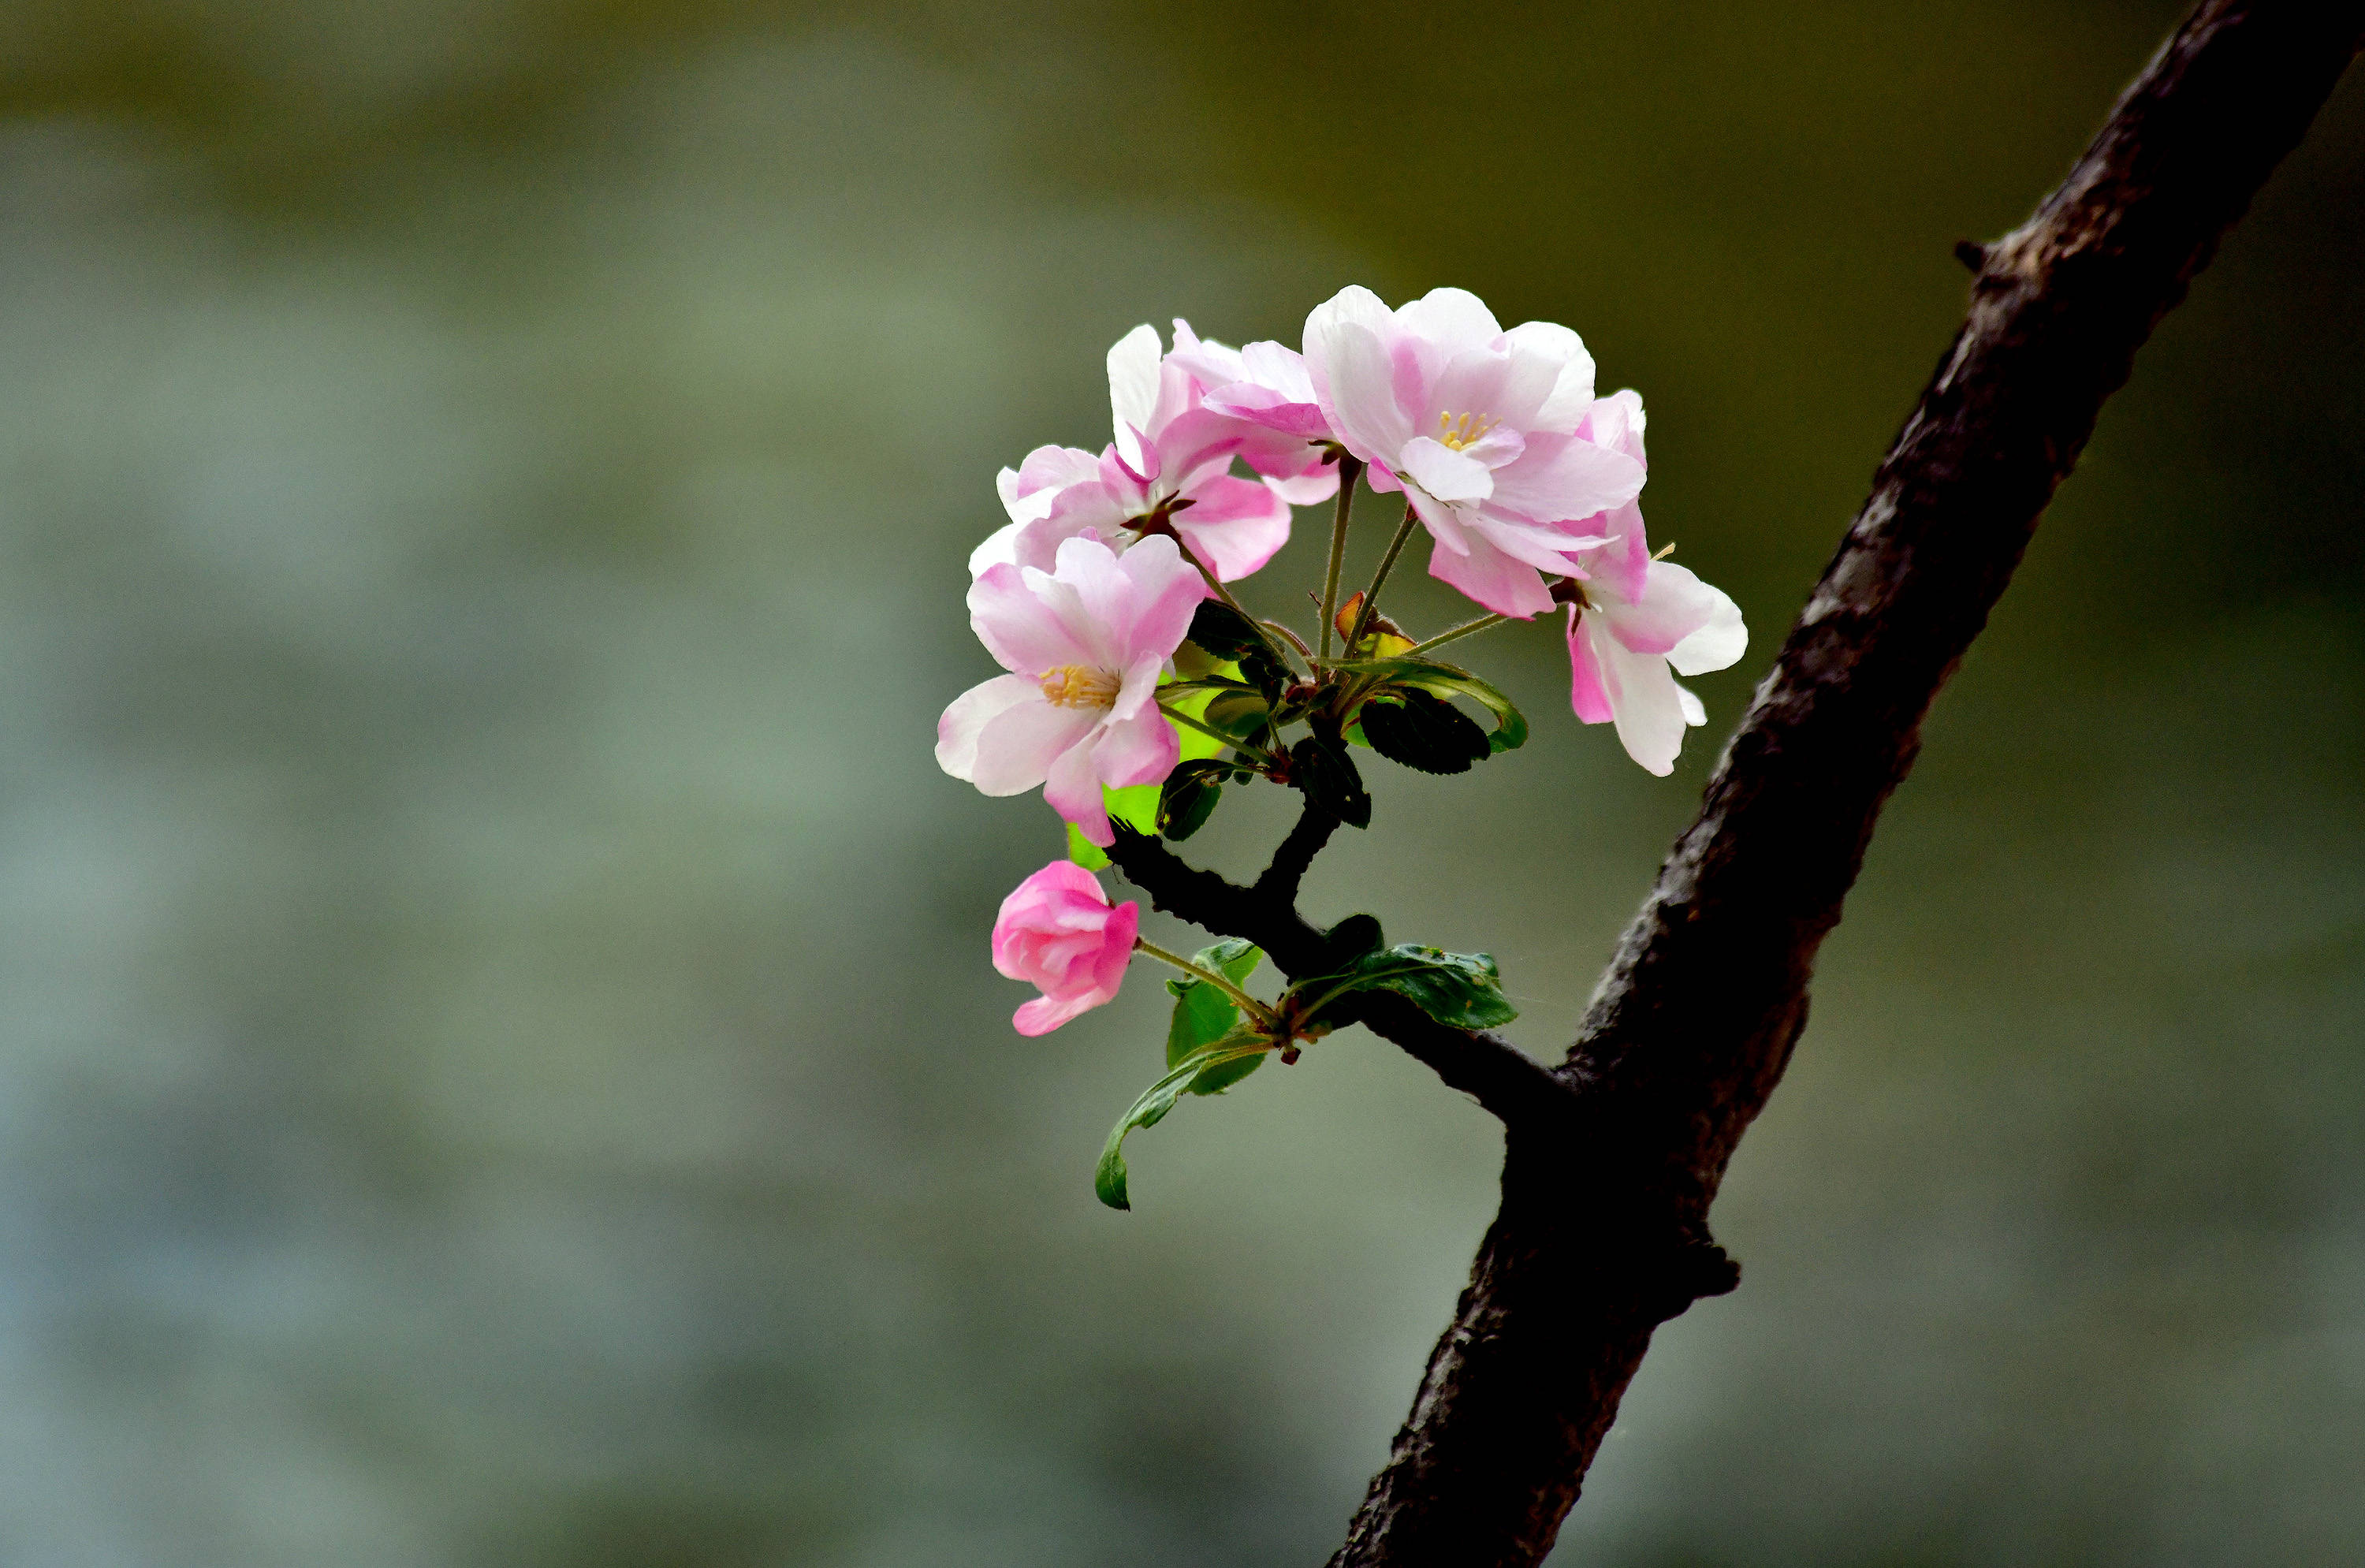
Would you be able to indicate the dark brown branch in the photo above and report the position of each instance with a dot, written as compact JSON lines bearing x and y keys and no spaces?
{"x":1280,"y":880}
{"x":1599,"y":1242}
{"x":1512,"y":1085}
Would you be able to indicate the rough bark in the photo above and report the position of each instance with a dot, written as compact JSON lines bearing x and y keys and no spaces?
{"x":1602,"y":1230}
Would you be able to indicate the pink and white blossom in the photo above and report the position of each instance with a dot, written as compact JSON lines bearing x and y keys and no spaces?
{"x":1085,"y":645}
{"x":1636,"y":624}
{"x":1482,"y":428}
{"x":1057,"y":932}
{"x":1170,"y":469}
{"x":1266,"y":384}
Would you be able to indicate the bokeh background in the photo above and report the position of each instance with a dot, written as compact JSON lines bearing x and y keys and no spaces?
{"x":497,"y":1062}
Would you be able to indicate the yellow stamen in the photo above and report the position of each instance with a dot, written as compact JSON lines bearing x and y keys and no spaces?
{"x":1466,"y":431}
{"x":1077,"y":686}
{"x":1663,"y":551}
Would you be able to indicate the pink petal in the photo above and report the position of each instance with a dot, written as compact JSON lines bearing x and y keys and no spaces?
{"x":1503,"y":585}
{"x":1116,"y":948}
{"x":1273,"y":410}
{"x":1361,"y":399}
{"x":957,"y":730}
{"x":1443,"y":523}
{"x":1560,"y":478}
{"x":1311,"y":488}
{"x":1675,"y":605}
{"x":1093,"y":598}
{"x":1649,"y":708}
{"x":1139,"y":750}
{"x":1719,"y":642}
{"x":1046,"y":1013}
{"x":1019,"y":747}
{"x":1010,"y":619}
{"x":1507,"y":388}
{"x":1165,"y":591}
{"x":1235,"y":526}
{"x":1545,"y":548}
{"x":1072,"y":787}
{"x":1587,"y":692}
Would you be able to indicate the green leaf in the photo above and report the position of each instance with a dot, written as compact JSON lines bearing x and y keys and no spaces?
{"x":1349,"y":940}
{"x":1407,"y":725}
{"x":1188,"y":798}
{"x":1108,"y":1178}
{"x":1203,"y":1015}
{"x":1450,"y":680}
{"x":1224,"y":632}
{"x":1461,"y":991}
{"x":1136,"y":806}
{"x":1328,"y":776}
{"x":1242,"y":716}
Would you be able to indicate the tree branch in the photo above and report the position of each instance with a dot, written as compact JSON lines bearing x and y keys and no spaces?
{"x":1503,"y":1078}
{"x":1599,"y":1240}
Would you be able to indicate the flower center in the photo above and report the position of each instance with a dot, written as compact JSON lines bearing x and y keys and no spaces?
{"x":1465,"y":431}
{"x":1077,"y":685}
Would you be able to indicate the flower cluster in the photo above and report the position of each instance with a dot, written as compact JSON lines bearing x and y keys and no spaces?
{"x":1130,"y":662}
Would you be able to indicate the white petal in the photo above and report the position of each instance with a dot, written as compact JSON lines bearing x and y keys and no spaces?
{"x":1133,"y":387}
{"x":1001,"y":547}
{"x":1447,"y":475}
{"x":1571,"y":392}
{"x":1454,"y":318}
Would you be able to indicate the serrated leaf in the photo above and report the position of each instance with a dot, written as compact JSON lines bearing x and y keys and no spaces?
{"x":1461,"y":991}
{"x":1225,"y":633}
{"x":1329,"y":779}
{"x":1150,"y":1108}
{"x":1510,"y":730}
{"x":1242,"y":716}
{"x":1186,"y":802}
{"x":1407,"y":725}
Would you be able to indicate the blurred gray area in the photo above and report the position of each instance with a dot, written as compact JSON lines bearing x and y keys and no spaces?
{"x":498,"y":1060}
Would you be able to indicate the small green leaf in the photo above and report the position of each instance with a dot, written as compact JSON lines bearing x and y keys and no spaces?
{"x":1242,"y":716}
{"x":1450,"y":680}
{"x":1461,"y":991}
{"x":1108,"y":1177}
{"x":1187,"y":801}
{"x":1203,"y":1015}
{"x":1328,"y":776}
{"x":1407,"y":725}
{"x":1224,"y":632}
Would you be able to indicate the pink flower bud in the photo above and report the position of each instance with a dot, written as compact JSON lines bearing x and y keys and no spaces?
{"x":1057,"y":932}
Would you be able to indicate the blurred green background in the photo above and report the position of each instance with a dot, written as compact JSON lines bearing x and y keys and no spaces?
{"x":497,"y":1060}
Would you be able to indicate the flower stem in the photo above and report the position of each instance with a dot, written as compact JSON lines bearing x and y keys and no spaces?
{"x":1241,"y":998}
{"x":1387,"y":563}
{"x":1465,"y":630}
{"x":1349,"y":470}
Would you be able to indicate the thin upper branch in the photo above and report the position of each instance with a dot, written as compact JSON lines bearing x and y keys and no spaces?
{"x":1696,"y":1017}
